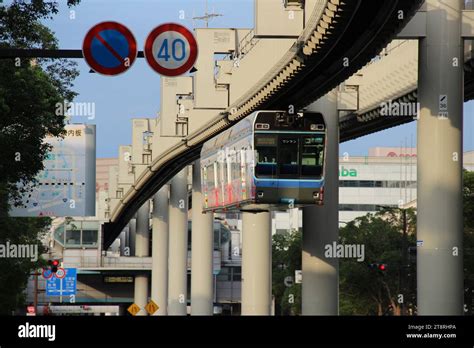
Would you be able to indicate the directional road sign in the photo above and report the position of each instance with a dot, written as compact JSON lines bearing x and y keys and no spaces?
{"x":151,"y":307}
{"x":133,"y":309}
{"x":171,"y":49}
{"x":109,"y":48}
{"x":62,"y":286}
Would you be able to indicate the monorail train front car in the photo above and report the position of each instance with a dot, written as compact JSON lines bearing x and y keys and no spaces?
{"x":269,"y":160}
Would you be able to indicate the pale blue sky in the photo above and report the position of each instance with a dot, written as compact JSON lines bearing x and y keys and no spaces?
{"x":136,"y":92}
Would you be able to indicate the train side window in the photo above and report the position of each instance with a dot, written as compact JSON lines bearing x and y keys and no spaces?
{"x":235,"y":165}
{"x":229,"y":161}
{"x":215,"y":175}
{"x":210,"y":176}
{"x":266,"y":155}
{"x":312,"y":156}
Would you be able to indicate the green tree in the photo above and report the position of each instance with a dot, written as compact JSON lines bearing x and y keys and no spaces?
{"x":366,"y":290}
{"x":468,"y":205}
{"x":286,"y":259}
{"x":362,"y":291}
{"x":30,"y":90}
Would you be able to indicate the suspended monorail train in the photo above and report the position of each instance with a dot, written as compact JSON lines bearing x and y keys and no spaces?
{"x":269,"y":160}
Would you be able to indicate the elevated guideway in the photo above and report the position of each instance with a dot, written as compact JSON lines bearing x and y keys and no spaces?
{"x":391,"y":79}
{"x":339,"y":38}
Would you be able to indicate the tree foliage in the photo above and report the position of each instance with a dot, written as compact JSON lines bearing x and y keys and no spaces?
{"x":366,"y":290}
{"x":286,"y":259}
{"x":30,"y":90}
{"x":468,"y":213}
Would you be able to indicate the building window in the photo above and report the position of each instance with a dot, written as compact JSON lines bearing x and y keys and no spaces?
{"x":361,"y":207}
{"x":73,"y":237}
{"x":89,"y":237}
{"x":59,"y":234}
{"x":371,"y":183}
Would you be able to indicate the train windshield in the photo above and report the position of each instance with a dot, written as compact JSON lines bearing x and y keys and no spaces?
{"x":289,"y":156}
{"x":312,"y":156}
{"x":266,"y":146}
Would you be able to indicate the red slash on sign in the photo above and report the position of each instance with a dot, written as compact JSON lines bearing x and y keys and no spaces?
{"x":109,"y":48}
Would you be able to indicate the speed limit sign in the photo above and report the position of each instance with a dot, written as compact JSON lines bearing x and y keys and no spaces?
{"x":60,"y":273}
{"x":171,"y":49}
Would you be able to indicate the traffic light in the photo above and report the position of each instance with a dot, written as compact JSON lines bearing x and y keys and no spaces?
{"x":54,"y":264}
{"x":382,"y":267}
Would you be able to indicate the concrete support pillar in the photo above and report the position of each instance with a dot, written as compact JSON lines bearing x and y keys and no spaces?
{"x":142,"y":249}
{"x":320,"y":288}
{"x":439,"y":167}
{"x":256,"y":263}
{"x":123,"y":243}
{"x":132,"y":228}
{"x":178,"y":244}
{"x":141,"y":293}
{"x":127,"y":241}
{"x":202,"y":245}
{"x":159,"y":268}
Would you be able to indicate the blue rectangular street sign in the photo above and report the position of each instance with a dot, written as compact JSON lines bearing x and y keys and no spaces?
{"x":65,"y":286}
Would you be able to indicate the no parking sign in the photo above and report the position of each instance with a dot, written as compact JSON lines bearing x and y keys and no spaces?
{"x":109,"y":48}
{"x":171,"y":49}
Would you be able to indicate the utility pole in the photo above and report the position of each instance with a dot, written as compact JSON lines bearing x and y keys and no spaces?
{"x":35,"y":298}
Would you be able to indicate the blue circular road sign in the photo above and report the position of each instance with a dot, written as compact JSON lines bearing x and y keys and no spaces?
{"x":109,"y":48}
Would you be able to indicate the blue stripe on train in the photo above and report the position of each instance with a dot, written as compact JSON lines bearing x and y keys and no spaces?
{"x":288,"y":183}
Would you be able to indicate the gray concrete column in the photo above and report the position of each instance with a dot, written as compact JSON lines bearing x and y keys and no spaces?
{"x":142,"y":249}
{"x":141,"y":293}
{"x":123,"y":243}
{"x":202,"y":287}
{"x":132,"y":235}
{"x":159,"y":268}
{"x":178,"y":244}
{"x":320,"y":288}
{"x":439,"y":166}
{"x":256,"y":263}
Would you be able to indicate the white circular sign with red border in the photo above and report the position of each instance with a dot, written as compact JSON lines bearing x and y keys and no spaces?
{"x":171,"y":49}
{"x":60,"y":273}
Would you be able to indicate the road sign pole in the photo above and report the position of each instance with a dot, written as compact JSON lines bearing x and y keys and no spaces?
{"x":35,"y":298}
{"x":61,"y":290}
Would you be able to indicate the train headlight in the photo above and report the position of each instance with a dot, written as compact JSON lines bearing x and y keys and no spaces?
{"x":315,"y":195}
{"x":317,"y":127}
{"x":260,"y":194}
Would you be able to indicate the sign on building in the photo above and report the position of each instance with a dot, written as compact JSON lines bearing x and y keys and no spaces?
{"x":66,"y":186}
